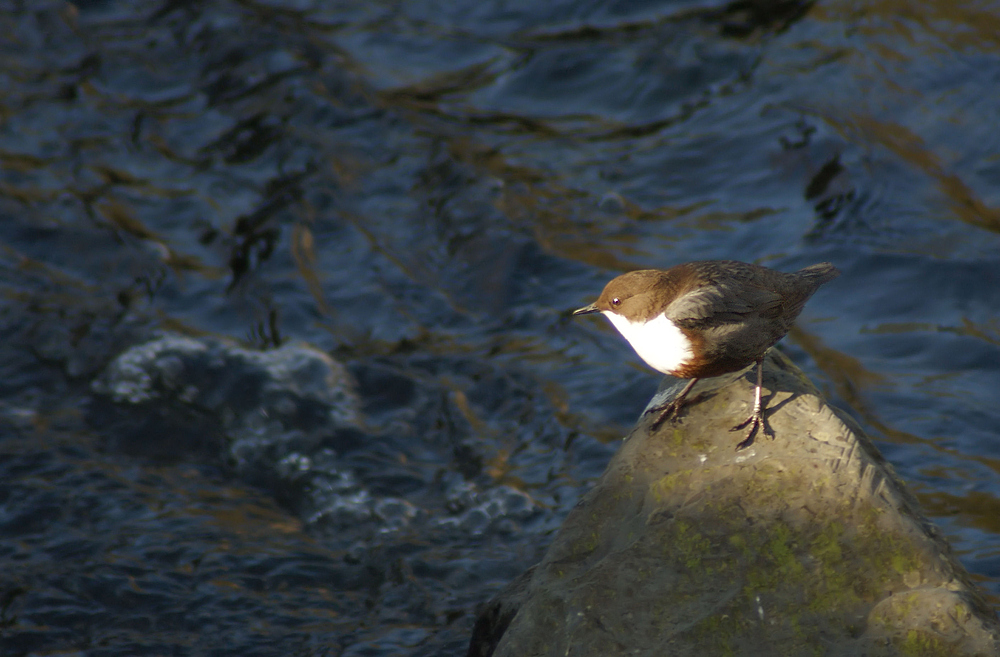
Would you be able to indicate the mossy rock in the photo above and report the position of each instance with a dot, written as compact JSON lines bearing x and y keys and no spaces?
{"x":806,"y":544}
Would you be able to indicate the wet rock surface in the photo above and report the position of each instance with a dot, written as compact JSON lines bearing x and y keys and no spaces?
{"x":805,"y":544}
{"x":276,"y":418}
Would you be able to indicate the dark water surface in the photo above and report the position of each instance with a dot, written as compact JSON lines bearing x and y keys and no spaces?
{"x":422,"y":190}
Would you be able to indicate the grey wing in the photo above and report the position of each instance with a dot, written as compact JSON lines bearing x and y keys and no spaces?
{"x":723,"y":303}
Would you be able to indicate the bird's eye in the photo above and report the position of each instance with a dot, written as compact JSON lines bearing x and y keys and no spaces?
{"x":616,"y":302}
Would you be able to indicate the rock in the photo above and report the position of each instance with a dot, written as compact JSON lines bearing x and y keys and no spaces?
{"x":807,"y":544}
{"x":222,"y":378}
{"x":493,"y":620}
{"x":283,"y":419}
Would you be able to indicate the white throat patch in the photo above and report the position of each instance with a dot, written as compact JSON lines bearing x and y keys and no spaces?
{"x":658,"y":342}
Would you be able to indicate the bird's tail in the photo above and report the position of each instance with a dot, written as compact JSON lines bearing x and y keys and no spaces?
{"x":820,"y":273}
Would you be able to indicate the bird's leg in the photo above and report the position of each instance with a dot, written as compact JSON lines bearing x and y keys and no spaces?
{"x":671,"y":407}
{"x":756,"y":419}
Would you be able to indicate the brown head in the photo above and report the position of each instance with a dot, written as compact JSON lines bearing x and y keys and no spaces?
{"x":639,"y":295}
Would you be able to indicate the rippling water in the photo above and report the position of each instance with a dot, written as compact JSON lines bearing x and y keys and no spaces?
{"x":422,"y":190}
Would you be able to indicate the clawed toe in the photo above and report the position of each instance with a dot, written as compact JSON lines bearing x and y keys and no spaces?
{"x":669,"y":411}
{"x":755,"y":421}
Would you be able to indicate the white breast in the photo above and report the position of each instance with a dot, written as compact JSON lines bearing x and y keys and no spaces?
{"x":658,"y":342}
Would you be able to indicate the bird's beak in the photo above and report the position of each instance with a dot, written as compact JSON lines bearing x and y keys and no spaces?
{"x":586,"y":310}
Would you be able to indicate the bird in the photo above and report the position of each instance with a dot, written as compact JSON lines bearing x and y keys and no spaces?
{"x":708,"y":318}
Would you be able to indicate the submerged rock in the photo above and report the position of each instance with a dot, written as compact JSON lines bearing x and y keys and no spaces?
{"x":243,"y":385}
{"x":807,"y":544}
{"x":285,"y":419}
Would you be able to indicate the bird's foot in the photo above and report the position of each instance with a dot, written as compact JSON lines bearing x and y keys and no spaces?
{"x":670,"y":408}
{"x":664,"y":412}
{"x":755,"y":421}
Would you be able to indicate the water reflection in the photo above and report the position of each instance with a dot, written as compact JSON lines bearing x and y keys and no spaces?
{"x":422,"y":191}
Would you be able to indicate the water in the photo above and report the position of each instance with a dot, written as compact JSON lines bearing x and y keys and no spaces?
{"x":422,"y":191}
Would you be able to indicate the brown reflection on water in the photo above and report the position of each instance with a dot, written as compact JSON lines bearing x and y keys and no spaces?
{"x":932,"y":26}
{"x":303,"y":249}
{"x":978,"y":509}
{"x":962,"y":200}
{"x":850,"y":379}
{"x":987,"y":332}
{"x":894,"y":46}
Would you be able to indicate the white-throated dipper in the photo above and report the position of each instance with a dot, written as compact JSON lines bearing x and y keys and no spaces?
{"x":708,"y":318}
